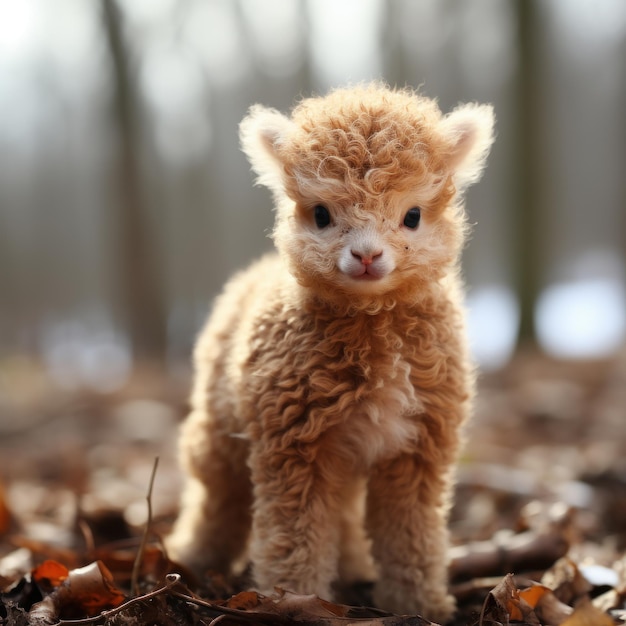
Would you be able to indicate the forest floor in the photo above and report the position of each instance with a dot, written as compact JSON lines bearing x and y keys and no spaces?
{"x":538,"y":527}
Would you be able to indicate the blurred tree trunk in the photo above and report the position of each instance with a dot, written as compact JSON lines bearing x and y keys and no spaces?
{"x":525,"y":206}
{"x":395,"y":66}
{"x":622,"y":155}
{"x":136,"y":258}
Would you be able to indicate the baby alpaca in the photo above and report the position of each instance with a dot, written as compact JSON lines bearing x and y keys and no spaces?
{"x":339,"y":366}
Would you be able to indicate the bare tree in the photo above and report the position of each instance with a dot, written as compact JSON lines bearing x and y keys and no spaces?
{"x":137,"y":258}
{"x":525,"y":214}
{"x":622,"y":200}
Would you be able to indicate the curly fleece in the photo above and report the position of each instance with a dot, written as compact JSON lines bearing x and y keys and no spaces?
{"x":332,"y":378}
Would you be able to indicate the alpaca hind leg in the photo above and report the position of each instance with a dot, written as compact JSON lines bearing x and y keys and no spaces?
{"x":214,"y":523}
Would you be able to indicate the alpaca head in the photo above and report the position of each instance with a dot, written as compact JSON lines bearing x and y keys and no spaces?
{"x":368,"y":183}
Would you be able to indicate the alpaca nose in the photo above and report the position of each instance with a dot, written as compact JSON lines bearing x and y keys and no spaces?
{"x":366,"y":257}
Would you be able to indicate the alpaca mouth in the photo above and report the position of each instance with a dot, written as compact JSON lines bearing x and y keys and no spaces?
{"x":367,"y":273}
{"x":367,"y":276}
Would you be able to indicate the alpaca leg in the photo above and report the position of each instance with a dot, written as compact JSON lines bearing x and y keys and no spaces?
{"x":295,"y":529}
{"x":355,"y":559}
{"x":213,"y":527}
{"x":407,"y":518}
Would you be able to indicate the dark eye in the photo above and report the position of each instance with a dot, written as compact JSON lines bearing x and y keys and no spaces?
{"x":412,"y":218}
{"x":322,"y":216}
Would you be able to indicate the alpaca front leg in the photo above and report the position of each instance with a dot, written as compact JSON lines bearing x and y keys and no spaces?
{"x":407,"y":520}
{"x":295,"y":529}
{"x":355,"y":558}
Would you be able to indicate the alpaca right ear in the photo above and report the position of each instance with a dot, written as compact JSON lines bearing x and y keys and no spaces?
{"x":470,"y":129}
{"x":262,"y":132}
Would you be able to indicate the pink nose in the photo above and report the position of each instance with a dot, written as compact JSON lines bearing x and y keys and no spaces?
{"x":367,"y":258}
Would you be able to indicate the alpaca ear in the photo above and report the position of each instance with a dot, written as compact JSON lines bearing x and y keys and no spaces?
{"x":262,"y":132}
{"x":470,"y":129}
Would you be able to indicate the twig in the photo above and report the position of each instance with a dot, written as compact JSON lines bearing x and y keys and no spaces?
{"x":526,"y":551}
{"x":146,"y":531}
{"x":90,"y":545}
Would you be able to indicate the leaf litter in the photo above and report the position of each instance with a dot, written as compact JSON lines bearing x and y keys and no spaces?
{"x":539,"y":523}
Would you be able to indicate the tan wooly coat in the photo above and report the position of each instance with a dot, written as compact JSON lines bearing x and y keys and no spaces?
{"x":332,"y":378}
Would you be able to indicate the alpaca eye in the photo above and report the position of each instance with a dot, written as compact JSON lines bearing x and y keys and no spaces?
{"x":322,"y":216}
{"x":412,"y":218}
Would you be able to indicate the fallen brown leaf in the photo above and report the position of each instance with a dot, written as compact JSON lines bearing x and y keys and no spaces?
{"x":50,"y":574}
{"x":286,"y":607}
{"x":566,"y":580}
{"x":503,"y":603}
{"x":5,"y":514}
{"x":85,"y":591}
{"x":551,"y":610}
{"x":585,"y":614}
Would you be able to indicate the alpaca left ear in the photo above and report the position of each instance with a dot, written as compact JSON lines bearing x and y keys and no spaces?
{"x":470,"y":129}
{"x":262,"y":132}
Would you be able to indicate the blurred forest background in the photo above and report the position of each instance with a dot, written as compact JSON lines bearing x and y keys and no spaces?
{"x":125,"y":202}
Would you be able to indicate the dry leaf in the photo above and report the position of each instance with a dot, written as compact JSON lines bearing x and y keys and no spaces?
{"x":86,"y":591}
{"x":16,"y":563}
{"x":308,"y":606}
{"x":585,"y":614}
{"x":532,"y":595}
{"x":49,"y":575}
{"x":5,"y":514}
{"x":245,"y":601}
{"x":566,"y":580}
{"x":95,"y":587}
{"x":611,"y":599}
{"x":310,"y":610}
{"x":548,"y":608}
{"x":503,"y":603}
